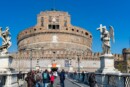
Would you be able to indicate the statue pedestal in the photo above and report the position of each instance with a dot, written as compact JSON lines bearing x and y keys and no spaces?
{"x":107,"y":64}
{"x":7,"y":73}
{"x":5,"y":63}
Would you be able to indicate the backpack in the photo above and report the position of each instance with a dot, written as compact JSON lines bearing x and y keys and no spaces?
{"x":44,"y":75}
{"x":38,"y":78}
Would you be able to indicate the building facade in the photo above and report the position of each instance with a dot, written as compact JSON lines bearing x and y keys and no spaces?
{"x":55,"y":43}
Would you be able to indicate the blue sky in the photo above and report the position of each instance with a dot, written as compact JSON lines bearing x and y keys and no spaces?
{"x":88,"y":14}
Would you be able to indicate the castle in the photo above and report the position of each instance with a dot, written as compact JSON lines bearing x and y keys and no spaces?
{"x":55,"y":44}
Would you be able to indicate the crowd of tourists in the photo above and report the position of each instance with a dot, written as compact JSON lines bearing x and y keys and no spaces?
{"x":44,"y":79}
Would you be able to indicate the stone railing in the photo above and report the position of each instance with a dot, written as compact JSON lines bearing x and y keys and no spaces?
{"x":12,"y":80}
{"x":105,"y":80}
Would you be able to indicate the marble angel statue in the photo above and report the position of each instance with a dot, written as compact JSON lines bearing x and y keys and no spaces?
{"x":105,"y":38}
{"x":6,"y":43}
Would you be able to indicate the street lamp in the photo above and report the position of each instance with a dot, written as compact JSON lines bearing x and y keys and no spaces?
{"x":78,"y":63}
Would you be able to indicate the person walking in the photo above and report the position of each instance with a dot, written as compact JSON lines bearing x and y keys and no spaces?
{"x":62,"y":78}
{"x":83,"y":76}
{"x":92,"y":80}
{"x":30,"y":80}
{"x":46,"y":78}
{"x":52,"y":78}
{"x":38,"y":79}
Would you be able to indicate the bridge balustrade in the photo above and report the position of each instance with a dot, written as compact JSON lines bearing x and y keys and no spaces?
{"x":2,"y":80}
{"x":104,"y":80}
{"x":7,"y":79}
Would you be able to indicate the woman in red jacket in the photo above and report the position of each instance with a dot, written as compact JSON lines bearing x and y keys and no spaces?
{"x":52,"y":79}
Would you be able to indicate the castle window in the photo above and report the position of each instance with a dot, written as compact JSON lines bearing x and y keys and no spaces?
{"x":34,"y":29}
{"x":77,"y":30}
{"x":86,"y":33}
{"x":66,"y":28}
{"x":72,"y":29}
{"x":42,"y":21}
{"x":49,"y":27}
{"x":57,"y":26}
{"x":53,"y":26}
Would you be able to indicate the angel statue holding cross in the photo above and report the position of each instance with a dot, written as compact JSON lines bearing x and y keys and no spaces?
{"x":6,"y":43}
{"x":105,"y":38}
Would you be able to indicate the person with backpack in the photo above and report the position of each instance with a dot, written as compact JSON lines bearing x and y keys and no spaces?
{"x":62,"y":78}
{"x":38,"y":79}
{"x":46,"y":78}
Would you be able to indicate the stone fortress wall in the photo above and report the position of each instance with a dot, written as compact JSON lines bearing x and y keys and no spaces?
{"x":90,"y":63}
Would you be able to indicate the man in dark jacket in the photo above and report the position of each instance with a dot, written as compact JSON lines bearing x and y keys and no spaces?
{"x":46,"y":78}
{"x":62,"y":78}
{"x":30,"y":80}
{"x":92,"y":80}
{"x":83,"y":76}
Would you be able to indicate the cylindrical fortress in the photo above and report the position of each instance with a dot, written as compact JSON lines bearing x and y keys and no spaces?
{"x":56,"y":37}
{"x":54,"y":32}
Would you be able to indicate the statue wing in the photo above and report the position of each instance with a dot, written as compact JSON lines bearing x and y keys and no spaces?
{"x":111,"y":32}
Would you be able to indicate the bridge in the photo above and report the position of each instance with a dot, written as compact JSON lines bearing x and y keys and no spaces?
{"x":75,"y":80}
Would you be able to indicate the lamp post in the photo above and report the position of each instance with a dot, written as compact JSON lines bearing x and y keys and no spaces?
{"x":78,"y":63}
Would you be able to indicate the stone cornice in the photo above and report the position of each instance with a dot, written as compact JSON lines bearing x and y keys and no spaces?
{"x":38,"y":33}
